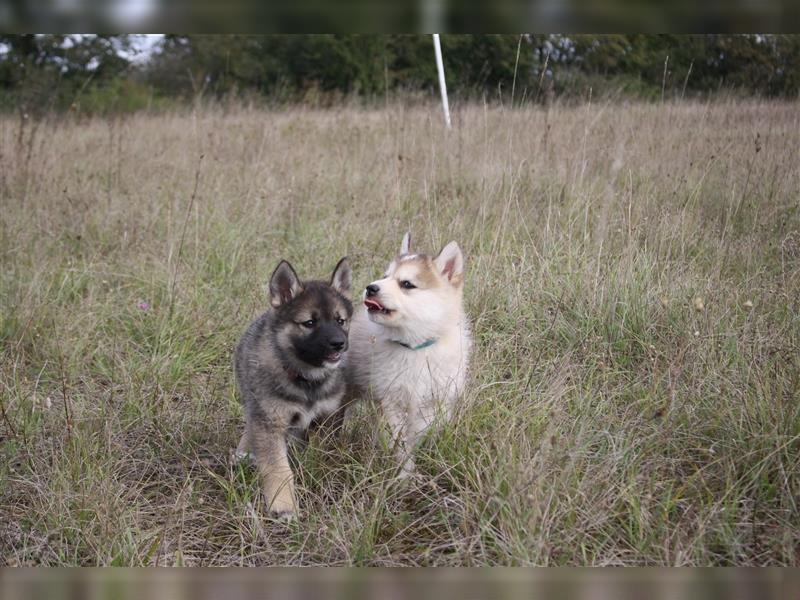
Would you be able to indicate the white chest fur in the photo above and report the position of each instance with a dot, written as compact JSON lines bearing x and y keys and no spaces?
{"x":320,"y":409}
{"x":413,"y":386}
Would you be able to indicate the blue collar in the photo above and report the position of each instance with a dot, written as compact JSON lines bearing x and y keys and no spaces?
{"x":424,"y":344}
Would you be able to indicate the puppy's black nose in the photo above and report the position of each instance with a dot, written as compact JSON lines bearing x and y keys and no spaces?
{"x":372,"y":289}
{"x":336,"y":345}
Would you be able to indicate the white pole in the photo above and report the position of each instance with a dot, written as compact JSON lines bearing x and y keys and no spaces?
{"x":442,"y":85}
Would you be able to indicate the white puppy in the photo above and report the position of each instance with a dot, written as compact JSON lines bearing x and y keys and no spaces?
{"x":410,"y":343}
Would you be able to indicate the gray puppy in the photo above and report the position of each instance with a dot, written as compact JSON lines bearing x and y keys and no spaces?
{"x":288,"y":370}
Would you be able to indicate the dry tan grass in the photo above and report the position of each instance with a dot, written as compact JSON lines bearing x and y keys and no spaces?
{"x":633,"y":277}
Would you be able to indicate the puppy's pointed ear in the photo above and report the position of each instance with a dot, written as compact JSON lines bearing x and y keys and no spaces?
{"x":342,"y":277}
{"x":450,"y":263}
{"x":283,"y":285}
{"x":405,"y":243}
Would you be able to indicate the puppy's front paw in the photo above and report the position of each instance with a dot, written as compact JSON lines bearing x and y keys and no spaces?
{"x":283,"y":517}
{"x":283,"y":507}
{"x":241,"y":457}
{"x":407,"y":469}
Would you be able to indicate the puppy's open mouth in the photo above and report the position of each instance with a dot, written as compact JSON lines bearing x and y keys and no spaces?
{"x":374,"y":306}
{"x":333,"y":357}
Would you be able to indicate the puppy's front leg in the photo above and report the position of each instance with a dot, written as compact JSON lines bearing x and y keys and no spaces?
{"x":397,"y":416}
{"x":242,"y":451}
{"x":268,"y":444}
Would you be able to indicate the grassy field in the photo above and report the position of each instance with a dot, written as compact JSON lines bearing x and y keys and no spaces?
{"x":633,"y":278}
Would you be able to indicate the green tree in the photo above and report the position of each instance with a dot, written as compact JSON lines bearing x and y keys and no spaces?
{"x":44,"y":71}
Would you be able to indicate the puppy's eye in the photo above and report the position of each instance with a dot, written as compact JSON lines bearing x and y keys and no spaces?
{"x":340,"y":321}
{"x":309,"y":324}
{"x":407,"y":285}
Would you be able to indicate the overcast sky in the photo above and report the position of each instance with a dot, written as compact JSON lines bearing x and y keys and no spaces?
{"x":143,"y":45}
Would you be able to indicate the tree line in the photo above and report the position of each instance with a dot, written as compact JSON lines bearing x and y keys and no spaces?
{"x":101,"y":73}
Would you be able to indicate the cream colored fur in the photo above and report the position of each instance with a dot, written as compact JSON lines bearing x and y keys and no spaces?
{"x":414,"y":387}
